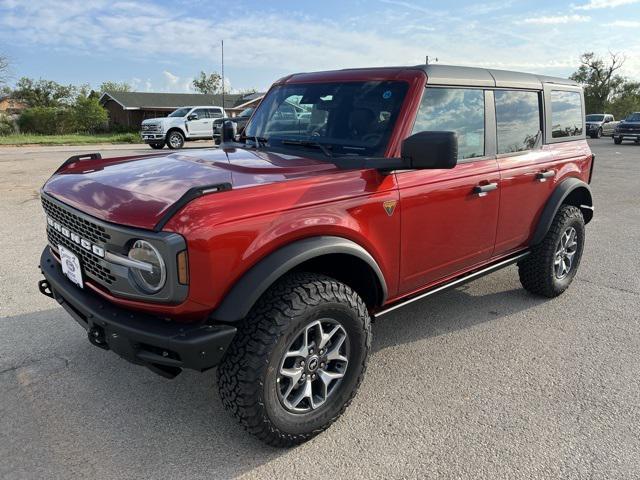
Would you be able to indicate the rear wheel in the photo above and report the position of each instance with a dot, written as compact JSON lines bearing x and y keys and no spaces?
{"x":297,"y":359}
{"x":550,"y":267}
{"x":175,"y":140}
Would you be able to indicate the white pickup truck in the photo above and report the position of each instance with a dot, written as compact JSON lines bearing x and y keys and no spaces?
{"x":182,"y":125}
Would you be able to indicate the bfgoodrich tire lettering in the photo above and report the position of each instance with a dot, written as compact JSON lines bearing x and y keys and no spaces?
{"x":248,"y":374}
{"x":564,"y":242}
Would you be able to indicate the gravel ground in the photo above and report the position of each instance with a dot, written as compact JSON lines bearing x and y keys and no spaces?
{"x":485,"y":381}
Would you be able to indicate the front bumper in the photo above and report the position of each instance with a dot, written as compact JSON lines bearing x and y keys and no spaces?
{"x":162,"y":345}
{"x":624,"y":135}
{"x":152,"y":137}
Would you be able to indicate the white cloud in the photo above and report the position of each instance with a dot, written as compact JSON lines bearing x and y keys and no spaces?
{"x":596,"y":4}
{"x":624,"y":24}
{"x":557,"y":20}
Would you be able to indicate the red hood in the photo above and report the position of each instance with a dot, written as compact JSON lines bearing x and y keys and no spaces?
{"x":137,"y":191}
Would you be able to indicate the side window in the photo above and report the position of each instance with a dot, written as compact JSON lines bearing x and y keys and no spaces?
{"x":201,"y":112}
{"x":566,"y":114}
{"x":517,"y":120}
{"x":454,"y":109}
{"x":215,"y":113}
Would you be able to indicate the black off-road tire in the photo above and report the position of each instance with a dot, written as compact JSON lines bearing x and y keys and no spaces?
{"x":536,"y":270}
{"x":175,"y":140}
{"x":617,"y":140}
{"x":157,"y":146}
{"x":247,"y":374}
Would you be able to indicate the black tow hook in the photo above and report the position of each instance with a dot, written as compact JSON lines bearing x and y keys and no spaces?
{"x":96,"y":337}
{"x":45,"y":288}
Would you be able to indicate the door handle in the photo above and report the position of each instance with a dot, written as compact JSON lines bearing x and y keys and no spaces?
{"x":542,"y":176}
{"x":482,"y":190}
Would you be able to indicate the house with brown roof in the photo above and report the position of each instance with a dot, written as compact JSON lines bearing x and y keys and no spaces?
{"x":131,"y":108}
{"x":10,"y":105}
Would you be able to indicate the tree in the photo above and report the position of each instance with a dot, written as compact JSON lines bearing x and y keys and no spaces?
{"x":626,"y":101}
{"x":114,"y":87}
{"x":4,"y":69}
{"x":88,"y":115}
{"x":44,"y":93}
{"x":209,"y":84}
{"x":600,"y":80}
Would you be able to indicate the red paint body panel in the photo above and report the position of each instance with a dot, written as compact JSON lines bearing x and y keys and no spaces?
{"x":438,"y":230}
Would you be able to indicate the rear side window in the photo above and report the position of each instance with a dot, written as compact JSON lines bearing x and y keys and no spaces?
{"x":215,"y":113}
{"x":517,"y":119}
{"x":460,"y":110}
{"x":566,"y":114}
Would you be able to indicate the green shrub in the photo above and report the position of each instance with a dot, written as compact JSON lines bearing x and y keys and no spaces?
{"x":6,"y":125}
{"x":47,"y":120}
{"x":89,"y":116}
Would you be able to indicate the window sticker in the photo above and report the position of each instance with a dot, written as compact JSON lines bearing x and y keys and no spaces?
{"x":386,"y":95}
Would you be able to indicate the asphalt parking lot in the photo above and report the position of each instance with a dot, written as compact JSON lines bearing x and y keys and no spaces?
{"x":485,"y":381}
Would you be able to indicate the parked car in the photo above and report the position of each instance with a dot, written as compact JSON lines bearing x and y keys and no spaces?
{"x":599,"y":124}
{"x":182,"y":125}
{"x":240,"y":121}
{"x":270,"y":259}
{"x":628,"y":128}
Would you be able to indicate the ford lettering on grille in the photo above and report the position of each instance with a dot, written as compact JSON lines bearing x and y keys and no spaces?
{"x":75,"y":238}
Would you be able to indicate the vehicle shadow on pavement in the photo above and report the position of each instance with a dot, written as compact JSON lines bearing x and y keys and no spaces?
{"x":447,"y":312}
{"x":73,"y":403}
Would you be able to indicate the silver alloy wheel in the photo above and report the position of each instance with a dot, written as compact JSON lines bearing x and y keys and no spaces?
{"x":175,"y":140}
{"x":565,"y":253}
{"x":313,"y":366}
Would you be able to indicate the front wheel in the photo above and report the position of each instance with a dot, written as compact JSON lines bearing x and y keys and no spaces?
{"x":551,"y":266}
{"x":599,"y":133}
{"x":297,"y":359}
{"x":175,"y":140}
{"x":617,"y":140}
{"x":157,"y":146}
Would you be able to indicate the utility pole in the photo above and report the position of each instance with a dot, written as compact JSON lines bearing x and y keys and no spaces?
{"x":222,"y":43}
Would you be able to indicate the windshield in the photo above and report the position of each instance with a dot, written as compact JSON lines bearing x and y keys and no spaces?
{"x":595,"y":118}
{"x":345,"y":118}
{"x":634,"y":117}
{"x":181,"y":112}
{"x":246,"y":112}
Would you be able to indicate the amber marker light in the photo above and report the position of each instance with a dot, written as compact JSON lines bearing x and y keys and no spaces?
{"x":183,"y":268}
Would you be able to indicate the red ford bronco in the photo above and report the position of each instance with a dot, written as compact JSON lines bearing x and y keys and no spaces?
{"x":349,"y":194}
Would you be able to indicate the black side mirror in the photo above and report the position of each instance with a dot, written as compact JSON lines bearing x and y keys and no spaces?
{"x":430,"y":150}
{"x":193,"y":116}
{"x":229,"y":131}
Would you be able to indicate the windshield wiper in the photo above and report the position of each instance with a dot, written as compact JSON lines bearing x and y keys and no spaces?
{"x":309,"y":143}
{"x":258,"y":142}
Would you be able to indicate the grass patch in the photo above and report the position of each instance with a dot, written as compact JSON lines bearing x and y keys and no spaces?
{"x":72,"y":139}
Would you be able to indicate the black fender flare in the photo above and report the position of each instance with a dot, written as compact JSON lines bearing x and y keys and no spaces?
{"x":247,"y":290}
{"x":560,"y":194}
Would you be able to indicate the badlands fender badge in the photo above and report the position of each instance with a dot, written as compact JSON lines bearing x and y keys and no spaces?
{"x":389,"y":206}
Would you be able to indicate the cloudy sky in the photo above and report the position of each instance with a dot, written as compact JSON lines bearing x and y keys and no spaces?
{"x":161,"y":45}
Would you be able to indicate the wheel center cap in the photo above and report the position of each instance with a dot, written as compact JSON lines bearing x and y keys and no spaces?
{"x":312,"y":364}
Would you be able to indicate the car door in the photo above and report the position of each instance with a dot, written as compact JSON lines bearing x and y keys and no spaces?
{"x":449,"y":217}
{"x":607,"y":128}
{"x":200,"y":127}
{"x":527,"y":167}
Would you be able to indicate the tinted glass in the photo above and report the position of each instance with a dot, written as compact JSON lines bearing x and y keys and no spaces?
{"x":566,"y":114}
{"x":201,"y":112}
{"x":634,"y":117}
{"x":518,"y":120}
{"x":246,"y":112}
{"x":459,"y":110}
{"x":181,"y":112}
{"x":215,"y":113}
{"x":349,"y":118}
{"x":594,"y":118}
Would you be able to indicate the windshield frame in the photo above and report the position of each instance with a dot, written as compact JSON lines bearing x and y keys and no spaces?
{"x":337,"y":146}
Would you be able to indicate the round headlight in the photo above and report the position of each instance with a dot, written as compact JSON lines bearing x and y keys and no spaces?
{"x":151,"y":278}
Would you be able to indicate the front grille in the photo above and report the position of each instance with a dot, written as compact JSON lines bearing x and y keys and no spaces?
{"x":88,"y":260}
{"x":86,"y":229}
{"x":150,"y":128}
{"x":629,"y":128}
